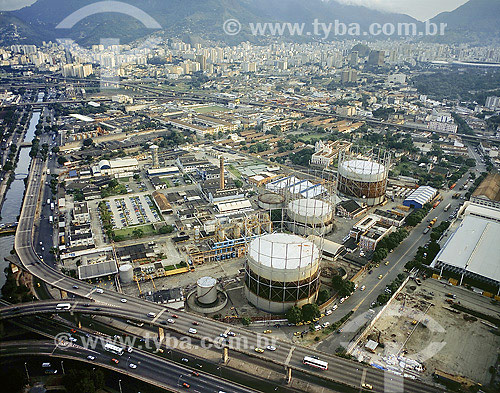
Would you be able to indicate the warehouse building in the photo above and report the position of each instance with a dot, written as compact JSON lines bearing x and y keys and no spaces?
{"x":488,"y":192}
{"x":418,"y":198}
{"x":472,"y":251}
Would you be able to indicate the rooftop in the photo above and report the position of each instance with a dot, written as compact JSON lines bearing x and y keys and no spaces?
{"x":489,"y":188}
{"x":474,"y":247}
{"x":283,"y":251}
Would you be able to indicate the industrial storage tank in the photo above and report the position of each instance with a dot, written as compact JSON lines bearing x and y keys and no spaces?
{"x":126,"y":273}
{"x":363,"y":178}
{"x":206,"y":290}
{"x":310,"y":217}
{"x":281,"y":270}
{"x":270,"y":201}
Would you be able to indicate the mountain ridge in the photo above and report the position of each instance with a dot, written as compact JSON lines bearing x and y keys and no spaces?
{"x":472,"y":22}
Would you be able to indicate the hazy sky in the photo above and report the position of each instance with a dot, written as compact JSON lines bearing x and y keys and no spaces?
{"x":420,"y":9}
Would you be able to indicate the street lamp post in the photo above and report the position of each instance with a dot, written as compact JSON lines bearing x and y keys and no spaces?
{"x":120,"y":385}
{"x":62,"y":366}
{"x":27,"y":374}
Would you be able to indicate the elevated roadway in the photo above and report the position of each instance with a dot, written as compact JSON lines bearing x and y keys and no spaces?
{"x":150,"y":368}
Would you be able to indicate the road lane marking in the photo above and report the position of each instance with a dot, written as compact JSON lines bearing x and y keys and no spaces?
{"x":158,"y":315}
{"x":393,"y":267}
{"x":55,"y":282}
{"x":287,"y":361}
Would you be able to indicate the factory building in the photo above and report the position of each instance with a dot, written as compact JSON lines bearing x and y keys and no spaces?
{"x":124,"y":166}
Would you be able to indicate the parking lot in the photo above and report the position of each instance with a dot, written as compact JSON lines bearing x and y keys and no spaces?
{"x":132,"y":210}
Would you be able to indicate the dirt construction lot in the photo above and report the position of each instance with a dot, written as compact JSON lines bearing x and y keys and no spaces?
{"x":420,"y":325}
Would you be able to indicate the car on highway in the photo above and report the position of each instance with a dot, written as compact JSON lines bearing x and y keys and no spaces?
{"x":380,"y":276}
{"x":271,"y":348}
{"x":334,"y":307}
{"x":185,"y":360}
{"x":367,"y":386}
{"x":132,"y":365}
{"x":99,"y":290}
{"x":186,"y":385}
{"x":259,"y":350}
{"x":195,"y":373}
{"x":195,"y":323}
{"x":151,"y":314}
{"x":231,"y":334}
{"x":175,"y":316}
{"x":386,"y":263}
{"x":170,"y":320}
{"x":192,"y":331}
{"x":223,"y":335}
{"x":328,"y":312}
{"x":116,"y":361}
{"x":268,"y":331}
{"x":363,"y":287}
{"x":130,"y":349}
{"x":72,"y":339}
{"x":75,"y":286}
{"x":123,"y":300}
{"x":90,"y":357}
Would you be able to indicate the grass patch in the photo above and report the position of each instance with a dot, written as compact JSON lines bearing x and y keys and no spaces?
{"x":128,"y":233}
{"x":124,"y":179}
{"x":307,"y":138}
{"x":166,"y":181}
{"x":234,"y":171}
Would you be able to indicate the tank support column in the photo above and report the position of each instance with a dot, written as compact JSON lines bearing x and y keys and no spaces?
{"x":63,"y":294}
{"x":225,"y":355}
{"x":288,"y":374}
{"x":161,"y":335}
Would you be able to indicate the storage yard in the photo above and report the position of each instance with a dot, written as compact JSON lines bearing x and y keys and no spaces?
{"x":420,"y":324}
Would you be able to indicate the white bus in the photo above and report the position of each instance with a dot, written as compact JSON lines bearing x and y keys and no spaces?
{"x":313,"y":362}
{"x":113,"y":348}
{"x":63,"y":306}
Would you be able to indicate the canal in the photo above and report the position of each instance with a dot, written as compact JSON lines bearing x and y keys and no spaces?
{"x":14,"y":198}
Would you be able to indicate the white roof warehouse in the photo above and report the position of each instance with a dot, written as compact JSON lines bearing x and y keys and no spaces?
{"x":473,"y":250}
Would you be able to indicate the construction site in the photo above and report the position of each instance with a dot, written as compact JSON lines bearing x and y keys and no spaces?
{"x":422,"y":335}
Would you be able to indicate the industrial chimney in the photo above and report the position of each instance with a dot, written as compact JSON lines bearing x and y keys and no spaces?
{"x":222,"y":180}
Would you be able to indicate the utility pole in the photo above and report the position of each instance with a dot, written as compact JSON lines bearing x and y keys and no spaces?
{"x":27,"y":374}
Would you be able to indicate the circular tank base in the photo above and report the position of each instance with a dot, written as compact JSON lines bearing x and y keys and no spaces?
{"x":196,"y":306}
{"x":275,"y":307}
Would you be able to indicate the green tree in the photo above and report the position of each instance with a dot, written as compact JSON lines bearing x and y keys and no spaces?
{"x":310,"y":311}
{"x":323,"y":296}
{"x":138,"y":233}
{"x":238,"y":183}
{"x":294,"y":314}
{"x":61,"y":160}
{"x":166,"y":229}
{"x":88,"y":142}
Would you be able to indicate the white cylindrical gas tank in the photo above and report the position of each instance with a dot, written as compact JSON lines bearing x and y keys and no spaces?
{"x":126,"y":273}
{"x":206,"y":290}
